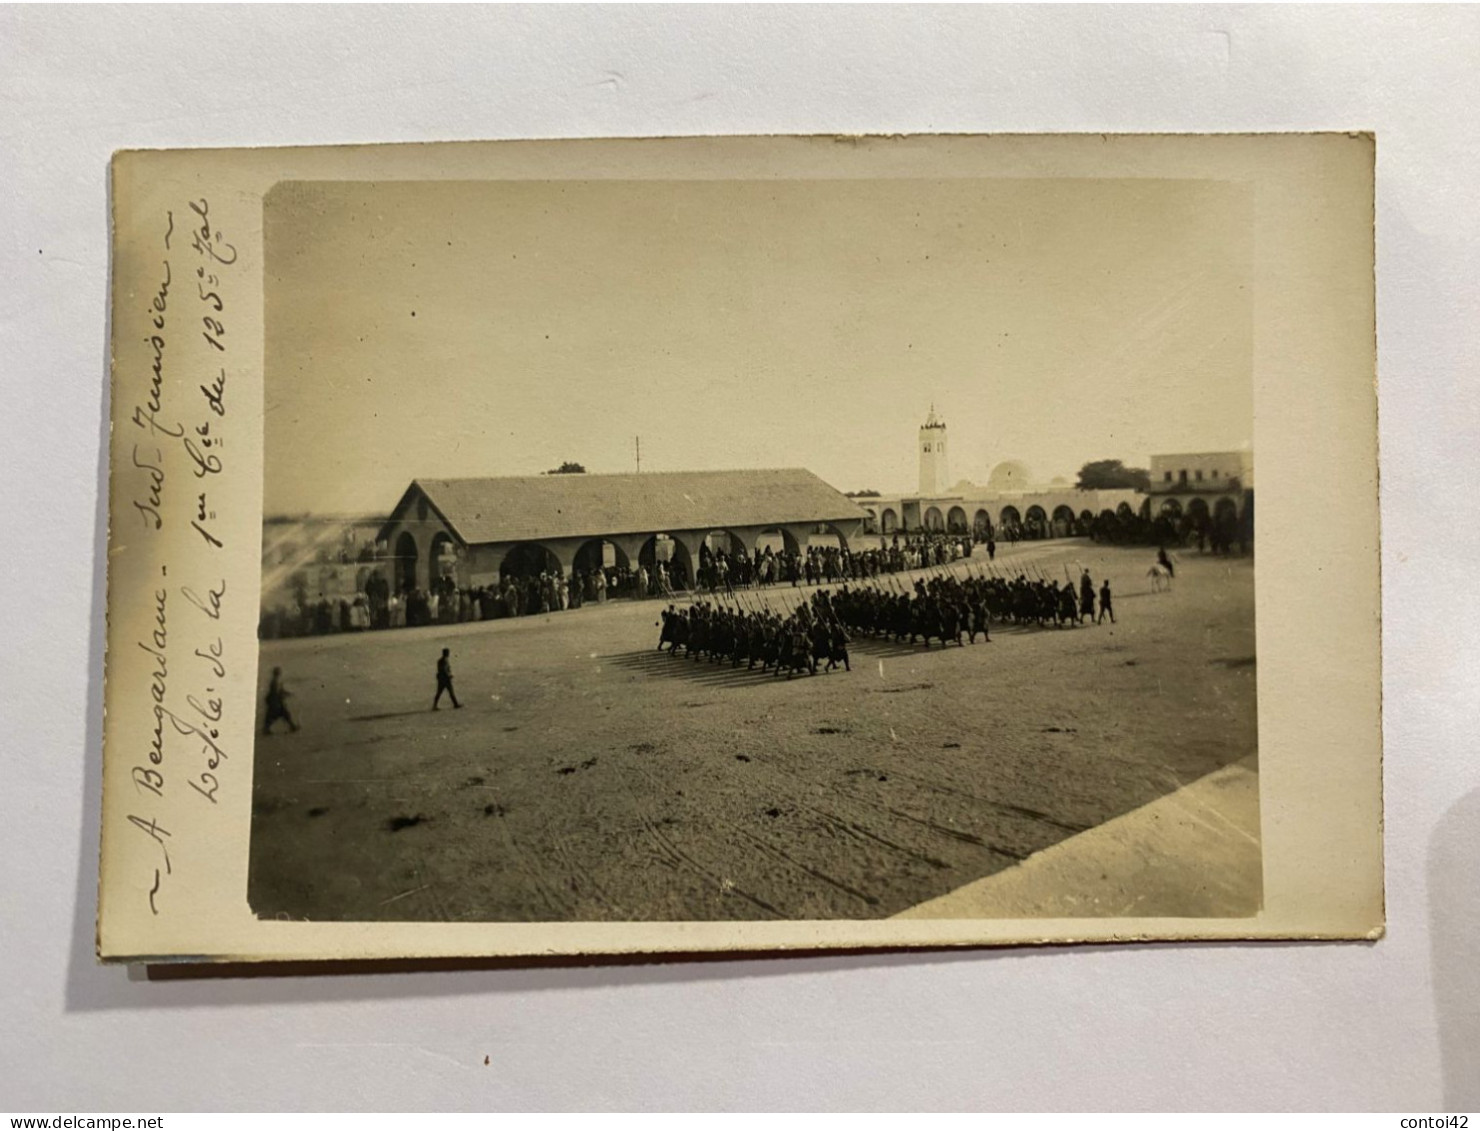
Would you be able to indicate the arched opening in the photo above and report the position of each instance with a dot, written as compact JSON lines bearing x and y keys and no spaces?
{"x":1170,"y":508}
{"x":889,"y":521}
{"x":1036,"y":521}
{"x":1011,"y":519}
{"x":443,"y":603}
{"x":1086,"y":517}
{"x":667,"y":562}
{"x":981,"y":524}
{"x":956,"y":520}
{"x":530,"y":580}
{"x":934,"y":520}
{"x":529,"y":559}
{"x":1197,"y":513}
{"x":405,"y":562}
{"x":723,"y":560}
{"x":722,"y":541}
{"x":599,"y":570}
{"x":598,"y":554}
{"x":443,"y":562}
{"x":828,"y":536}
{"x":1125,"y":510}
{"x":1063,"y":521}
{"x":778,"y":541}
{"x":777,"y":557}
{"x":1225,"y":528}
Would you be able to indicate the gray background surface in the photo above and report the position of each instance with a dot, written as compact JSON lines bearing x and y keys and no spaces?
{"x":1395,"y":1025}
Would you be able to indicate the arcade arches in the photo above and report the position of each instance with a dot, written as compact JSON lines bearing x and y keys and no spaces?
{"x":405,"y":562}
{"x":529,"y":559}
{"x":599,"y":554}
{"x":442,"y":560}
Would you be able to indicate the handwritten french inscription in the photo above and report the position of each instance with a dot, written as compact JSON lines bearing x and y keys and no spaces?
{"x":176,"y":459}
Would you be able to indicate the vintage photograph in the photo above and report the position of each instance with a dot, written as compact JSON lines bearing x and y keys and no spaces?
{"x":723,"y":549}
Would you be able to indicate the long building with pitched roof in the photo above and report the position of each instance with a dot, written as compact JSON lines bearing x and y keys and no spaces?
{"x":476,"y":529}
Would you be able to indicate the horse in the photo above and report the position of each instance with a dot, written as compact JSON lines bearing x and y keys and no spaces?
{"x":1161,"y":578}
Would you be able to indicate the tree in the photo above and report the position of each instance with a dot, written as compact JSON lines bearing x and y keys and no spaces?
{"x":862,"y":494}
{"x":567,"y":468}
{"x":1110,"y":474}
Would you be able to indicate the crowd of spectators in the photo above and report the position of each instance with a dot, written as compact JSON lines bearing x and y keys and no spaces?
{"x":1223,"y":533}
{"x":376,"y":605}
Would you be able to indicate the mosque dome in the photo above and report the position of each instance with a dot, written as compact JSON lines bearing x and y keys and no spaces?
{"x":1010,"y":475}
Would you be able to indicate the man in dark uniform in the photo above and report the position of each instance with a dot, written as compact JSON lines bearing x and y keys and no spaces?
{"x":444,"y":680}
{"x":277,"y":706}
{"x":838,"y":647}
{"x":1067,"y":606}
{"x":1105,"y":608}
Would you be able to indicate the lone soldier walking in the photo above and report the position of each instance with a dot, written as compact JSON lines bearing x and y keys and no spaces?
{"x":444,"y":680}
{"x":1105,"y":608}
{"x":277,"y":703}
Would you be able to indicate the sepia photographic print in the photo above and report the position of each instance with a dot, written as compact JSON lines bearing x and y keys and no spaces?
{"x":826,"y":550}
{"x":651,"y":546}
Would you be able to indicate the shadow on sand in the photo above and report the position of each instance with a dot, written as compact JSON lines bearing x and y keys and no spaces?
{"x":389,"y":715}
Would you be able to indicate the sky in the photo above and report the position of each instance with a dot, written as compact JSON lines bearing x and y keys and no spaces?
{"x":440,"y":329}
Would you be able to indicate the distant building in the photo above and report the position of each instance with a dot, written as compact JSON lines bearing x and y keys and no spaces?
{"x":1199,"y":485}
{"x":1010,"y":475}
{"x":309,"y":557}
{"x":1011,"y":504}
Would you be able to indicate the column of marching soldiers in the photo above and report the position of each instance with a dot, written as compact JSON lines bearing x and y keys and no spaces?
{"x":741,"y":627}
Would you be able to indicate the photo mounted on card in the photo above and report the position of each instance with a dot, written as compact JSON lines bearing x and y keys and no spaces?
{"x":740,"y":544}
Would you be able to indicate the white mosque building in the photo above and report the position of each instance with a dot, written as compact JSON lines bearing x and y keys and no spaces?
{"x":1011,"y":503}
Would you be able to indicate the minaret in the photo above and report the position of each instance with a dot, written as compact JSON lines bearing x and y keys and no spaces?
{"x":934,"y":470}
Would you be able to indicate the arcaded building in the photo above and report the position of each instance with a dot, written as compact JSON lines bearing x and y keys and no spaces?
{"x":1202,"y":485}
{"x":475,"y":529}
{"x":1011,"y":501}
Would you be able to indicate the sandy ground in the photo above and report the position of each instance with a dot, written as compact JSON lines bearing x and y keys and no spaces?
{"x":589,"y":777}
